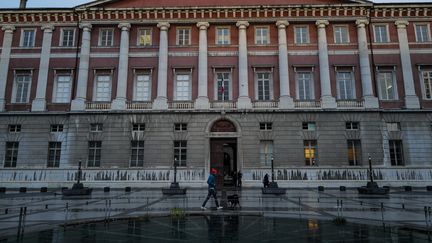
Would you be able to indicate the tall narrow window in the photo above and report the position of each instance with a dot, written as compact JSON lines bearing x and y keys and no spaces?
{"x":222,"y":36}
{"x":142,"y":86}
{"x":67,"y":37}
{"x":345,"y":85}
{"x":183,"y":36}
{"x":301,"y":34}
{"x":396,"y":154}
{"x":422,"y":32}
{"x":354,"y":152}
{"x":426,"y":77}
{"x":106,"y":37}
{"x":22,"y":86}
{"x":180,"y":152}
{"x":266,"y":152}
{"x":137,"y":154}
{"x":28,"y":37}
{"x":94,"y":153}
{"x":102,"y":86}
{"x":341,"y":34}
{"x":145,"y":37}
{"x":387,"y":85}
{"x":381,"y":35}
{"x":305,"y":87}
{"x":310,"y":152}
{"x":262,"y":36}
{"x":62,"y":90}
{"x":263,"y":82}
{"x":182,"y":86}
{"x":54,"y":152}
{"x":223,"y":82}
{"x":11,"y":155}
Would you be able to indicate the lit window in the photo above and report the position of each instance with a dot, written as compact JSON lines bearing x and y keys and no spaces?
{"x":301,"y":35}
{"x":266,"y":152}
{"x":106,"y":37}
{"x":54,"y":152}
{"x":422,"y":32}
{"x":222,"y":36}
{"x":180,"y":152}
{"x":11,"y":155}
{"x":341,"y":35}
{"x":145,"y":37}
{"x":262,"y":36}
{"x":183,"y":36}
{"x":381,"y":35}
{"x":310,"y":152}
{"x":67,"y":37}
{"x":354,"y":152}
{"x":28,"y":37}
{"x":94,"y":153}
{"x":137,"y":154}
{"x":396,"y":152}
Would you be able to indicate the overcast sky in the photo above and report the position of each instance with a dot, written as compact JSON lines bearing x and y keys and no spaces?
{"x":72,"y":3}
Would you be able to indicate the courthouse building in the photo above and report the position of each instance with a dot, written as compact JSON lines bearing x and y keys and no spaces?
{"x":130,"y":87}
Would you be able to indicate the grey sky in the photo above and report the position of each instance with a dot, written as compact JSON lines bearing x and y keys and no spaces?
{"x":72,"y":3}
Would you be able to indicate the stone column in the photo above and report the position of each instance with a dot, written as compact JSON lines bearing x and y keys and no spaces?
{"x":78,"y":104}
{"x":202,"y":102}
{"x":370,"y":101}
{"x":4,"y":62}
{"x":411,"y":99}
{"x":119,"y":103}
{"x":244,"y":101}
{"x":327,"y":100}
{"x":39,"y":103}
{"x":161,"y":101}
{"x":285,"y":100}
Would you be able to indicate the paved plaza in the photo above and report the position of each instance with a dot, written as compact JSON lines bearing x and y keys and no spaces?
{"x":49,"y":210}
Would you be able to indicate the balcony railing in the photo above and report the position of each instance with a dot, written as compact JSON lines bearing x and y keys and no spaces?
{"x":139,"y":105}
{"x":265,"y":104}
{"x":98,"y":106}
{"x":307,"y":104}
{"x":223,"y":105}
{"x":350,"y":103}
{"x":181,"y":105}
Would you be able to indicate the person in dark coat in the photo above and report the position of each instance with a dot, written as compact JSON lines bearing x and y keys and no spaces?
{"x":239,"y":178}
{"x":211,"y":181}
{"x":266,"y":181}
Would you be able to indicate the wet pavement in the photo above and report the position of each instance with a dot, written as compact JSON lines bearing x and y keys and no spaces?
{"x":46,"y":211}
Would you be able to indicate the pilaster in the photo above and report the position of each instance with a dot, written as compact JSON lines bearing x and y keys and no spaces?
{"x":4,"y":62}
{"x":285,"y":100}
{"x":119,"y":103}
{"x":161,"y":101}
{"x":244,"y":101}
{"x":202,"y":102}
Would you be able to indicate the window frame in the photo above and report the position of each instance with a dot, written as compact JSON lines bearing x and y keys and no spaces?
{"x":311,"y":84}
{"x":352,"y":125}
{"x":96,"y":159}
{"x":189,"y":40}
{"x":57,"y":74}
{"x":14,"y":128}
{"x":428,"y":32}
{"x":258,"y":37}
{"x":139,"y":147}
{"x":296,"y":34}
{"x":179,"y":151}
{"x":142,"y":72}
{"x":11,"y":154}
{"x":266,"y":126}
{"x":176,"y":81}
{"x":266,"y":152}
{"x":54,"y":162}
{"x":387,"y":40}
{"x":309,"y":126}
{"x":138,"y":127}
{"x":139,"y":36}
{"x":216,"y":85}
{"x":355,"y":145}
{"x":225,"y":37}
{"x":351,"y":80}
{"x":180,"y":126}
{"x":54,"y":128}
{"x":310,"y":147}
{"x":102,"y":72}
{"x":33,"y":41}
{"x":96,"y":127}
{"x":424,"y":88}
{"x":62,"y":36}
{"x":101,"y":38}
{"x":396,"y":161}
{"x":15,"y":88}
{"x":335,"y":36}
{"x":392,"y":70}
{"x":270,"y":84}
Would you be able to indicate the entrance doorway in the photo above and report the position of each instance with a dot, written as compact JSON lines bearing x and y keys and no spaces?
{"x":223,"y":157}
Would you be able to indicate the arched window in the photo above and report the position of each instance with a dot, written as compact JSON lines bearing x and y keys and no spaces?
{"x":223,"y":125}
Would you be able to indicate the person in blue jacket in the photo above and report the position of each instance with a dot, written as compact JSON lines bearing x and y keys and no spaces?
{"x":211,"y":181}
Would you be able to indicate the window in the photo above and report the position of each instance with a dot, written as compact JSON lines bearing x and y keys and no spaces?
{"x":222,"y":36}
{"x":341,"y":34}
{"x":305,"y":87}
{"x":22,"y":83}
{"x":102,"y":86}
{"x":142,"y":89}
{"x":352,"y":125}
{"x":11,"y":154}
{"x":180,"y":151}
{"x":96,"y":127}
{"x":183,"y":36}
{"x":354,"y":152}
{"x":145,"y":37}
{"x":94,"y":153}
{"x":28,"y":37}
{"x":310,"y":152}
{"x":396,"y":155}
{"x":387,"y":85}
{"x":381,"y":35}
{"x":393,"y":126}
{"x":345,"y":85}
{"x":137,"y":154}
{"x":180,"y":126}
{"x":301,"y":34}
{"x":422,"y":32}
{"x":266,"y":152}
{"x":223,"y":82}
{"x":262,"y":36}
{"x":54,"y":151}
{"x":57,"y":128}
{"x":138,"y":127}
{"x":106,"y":37}
{"x":426,"y":77}
{"x":62,"y":89}
{"x":14,"y":128}
{"x":67,"y":37}
{"x":266,"y":126}
{"x":310,"y":126}
{"x":183,"y":87}
{"x":263,"y":82}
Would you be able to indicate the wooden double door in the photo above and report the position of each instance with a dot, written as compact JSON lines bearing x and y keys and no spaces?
{"x":223,"y":157}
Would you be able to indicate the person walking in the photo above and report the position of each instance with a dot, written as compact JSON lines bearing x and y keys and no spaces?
{"x":266,"y":181}
{"x":239,"y":179}
{"x":211,"y":181}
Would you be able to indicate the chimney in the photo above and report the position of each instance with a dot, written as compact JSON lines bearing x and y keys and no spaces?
{"x":23,"y":4}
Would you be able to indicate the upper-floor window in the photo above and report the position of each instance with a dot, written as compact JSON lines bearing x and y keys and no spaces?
{"x":262,"y":35}
{"x":426,"y":81}
{"x":222,"y":36}
{"x":387,"y":84}
{"x":180,"y":152}
{"x":266,"y":126}
{"x":263,"y":85}
{"x":145,"y":37}
{"x":341,"y":35}
{"x":102,"y":86}
{"x":62,"y":86}
{"x":137,"y":153}
{"x":54,"y":153}
{"x":183,"y":86}
{"x":13,"y":128}
{"x":57,"y":128}
{"x":142,"y":86}
{"x":138,"y":127}
{"x":301,"y":34}
{"x":106,"y":37}
{"x":305,"y":85}
{"x":345,"y":84}
{"x":310,"y":126}
{"x":96,"y":127}
{"x":180,"y":126}
{"x":67,"y":37}
{"x":21,"y":93}
{"x":223,"y":85}
{"x":28,"y":37}
{"x":422,"y":32}
{"x":393,"y":126}
{"x":381,"y":33}
{"x":352,"y":125}
{"x":183,"y":36}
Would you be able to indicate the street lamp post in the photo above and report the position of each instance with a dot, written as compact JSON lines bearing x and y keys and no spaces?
{"x":370,"y":170}
{"x":175,"y":170}
{"x":272,"y":168}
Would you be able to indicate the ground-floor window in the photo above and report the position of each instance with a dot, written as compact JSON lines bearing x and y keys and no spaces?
{"x":310,"y":152}
{"x":396,"y":152}
{"x":180,"y":151}
{"x":354,"y":152}
{"x":266,"y":152}
{"x":94,"y":153}
{"x":11,"y":154}
{"x":54,"y":151}
{"x":137,"y":154}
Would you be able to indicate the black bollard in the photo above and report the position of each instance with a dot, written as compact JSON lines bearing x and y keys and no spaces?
{"x":342,"y":188}
{"x":320,"y":188}
{"x":2,"y":189}
{"x":408,"y":188}
{"x":128,"y":189}
{"x":428,"y":188}
{"x":106,"y":189}
{"x":23,"y":189}
{"x":43,"y":189}
{"x":6,"y":211}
